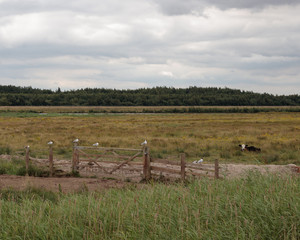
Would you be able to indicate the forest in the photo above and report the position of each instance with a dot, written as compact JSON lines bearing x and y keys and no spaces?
{"x":157,"y":96}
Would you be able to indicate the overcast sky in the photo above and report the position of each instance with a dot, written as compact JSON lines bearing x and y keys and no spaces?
{"x":126,"y":44}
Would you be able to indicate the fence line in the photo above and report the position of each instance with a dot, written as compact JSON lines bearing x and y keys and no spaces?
{"x":149,"y":165}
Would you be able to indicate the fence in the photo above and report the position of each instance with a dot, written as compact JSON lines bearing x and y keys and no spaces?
{"x":183,"y":169}
{"x":110,"y":161}
{"x":54,"y":166}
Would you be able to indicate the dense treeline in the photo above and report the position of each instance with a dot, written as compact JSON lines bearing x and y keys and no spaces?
{"x":158,"y":96}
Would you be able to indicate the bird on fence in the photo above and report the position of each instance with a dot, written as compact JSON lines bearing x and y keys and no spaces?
{"x":50,"y":142}
{"x":144,"y":143}
{"x":76,"y":140}
{"x":96,"y":144}
{"x":27,"y":146}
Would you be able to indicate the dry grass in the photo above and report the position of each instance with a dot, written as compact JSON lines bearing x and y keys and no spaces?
{"x":198,"y":135}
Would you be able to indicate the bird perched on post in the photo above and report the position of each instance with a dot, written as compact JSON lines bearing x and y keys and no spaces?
{"x":76,"y":140}
{"x":96,"y":144}
{"x":144,"y":143}
{"x":27,"y":146}
{"x":50,"y":142}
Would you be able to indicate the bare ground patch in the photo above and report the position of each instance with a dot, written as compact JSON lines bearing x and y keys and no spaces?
{"x":71,"y":184}
{"x":64,"y":184}
{"x":98,"y":181}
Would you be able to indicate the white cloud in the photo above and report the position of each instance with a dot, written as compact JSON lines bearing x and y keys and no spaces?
{"x":167,"y":74}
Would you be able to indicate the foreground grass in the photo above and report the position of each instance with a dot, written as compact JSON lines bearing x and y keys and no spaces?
{"x":256,"y":207}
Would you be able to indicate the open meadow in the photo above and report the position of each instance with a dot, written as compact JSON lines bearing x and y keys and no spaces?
{"x":208,"y":135}
{"x":254,"y":206}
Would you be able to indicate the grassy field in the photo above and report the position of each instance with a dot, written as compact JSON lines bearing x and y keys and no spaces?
{"x":206,"y":135}
{"x":256,"y":207}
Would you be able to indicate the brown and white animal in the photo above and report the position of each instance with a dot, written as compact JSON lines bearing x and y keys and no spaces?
{"x":249,"y":148}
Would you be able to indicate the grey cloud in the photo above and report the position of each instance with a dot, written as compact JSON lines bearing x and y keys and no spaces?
{"x":122,"y":44}
{"x":254,"y":4}
{"x":179,"y":7}
{"x":11,"y":7}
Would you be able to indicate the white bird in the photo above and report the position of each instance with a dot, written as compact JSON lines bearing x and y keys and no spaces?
{"x":27,"y":146}
{"x":198,"y":161}
{"x":76,"y":140}
{"x":50,"y":142}
{"x":96,"y":144}
{"x":144,"y":143}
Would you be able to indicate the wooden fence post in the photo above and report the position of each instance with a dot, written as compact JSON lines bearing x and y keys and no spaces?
{"x":27,"y":160}
{"x":182,"y":166}
{"x":216,"y":169}
{"x":147,"y":167}
{"x":75,"y":158}
{"x":51,"y":160}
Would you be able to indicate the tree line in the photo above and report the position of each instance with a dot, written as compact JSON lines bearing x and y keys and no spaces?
{"x":157,"y":96}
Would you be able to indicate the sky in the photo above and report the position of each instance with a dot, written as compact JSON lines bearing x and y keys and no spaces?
{"x":129,"y":44}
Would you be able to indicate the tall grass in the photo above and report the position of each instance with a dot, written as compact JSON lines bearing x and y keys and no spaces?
{"x":256,"y":207}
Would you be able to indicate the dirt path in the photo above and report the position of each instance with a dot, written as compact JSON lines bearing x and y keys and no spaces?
{"x":239,"y":170}
{"x":56,"y":184}
{"x":70,"y":184}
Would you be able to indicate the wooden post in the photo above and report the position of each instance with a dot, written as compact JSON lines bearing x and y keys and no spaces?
{"x":27,"y":160}
{"x":182,"y":167}
{"x":51,"y":160}
{"x":77,"y":159}
{"x":74,"y":161}
{"x":147,"y":167}
{"x":216,"y":169}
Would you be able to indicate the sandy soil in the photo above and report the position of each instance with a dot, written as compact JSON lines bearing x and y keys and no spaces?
{"x":71,"y":184}
{"x":239,"y":170}
{"x":55,"y":184}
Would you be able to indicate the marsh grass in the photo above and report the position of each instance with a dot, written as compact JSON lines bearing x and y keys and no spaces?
{"x":256,"y":207}
{"x":207,"y":136}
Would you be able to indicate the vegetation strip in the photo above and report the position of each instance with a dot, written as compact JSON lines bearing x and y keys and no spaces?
{"x":157,"y":96}
{"x":255,"y":207}
{"x":207,"y":136}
